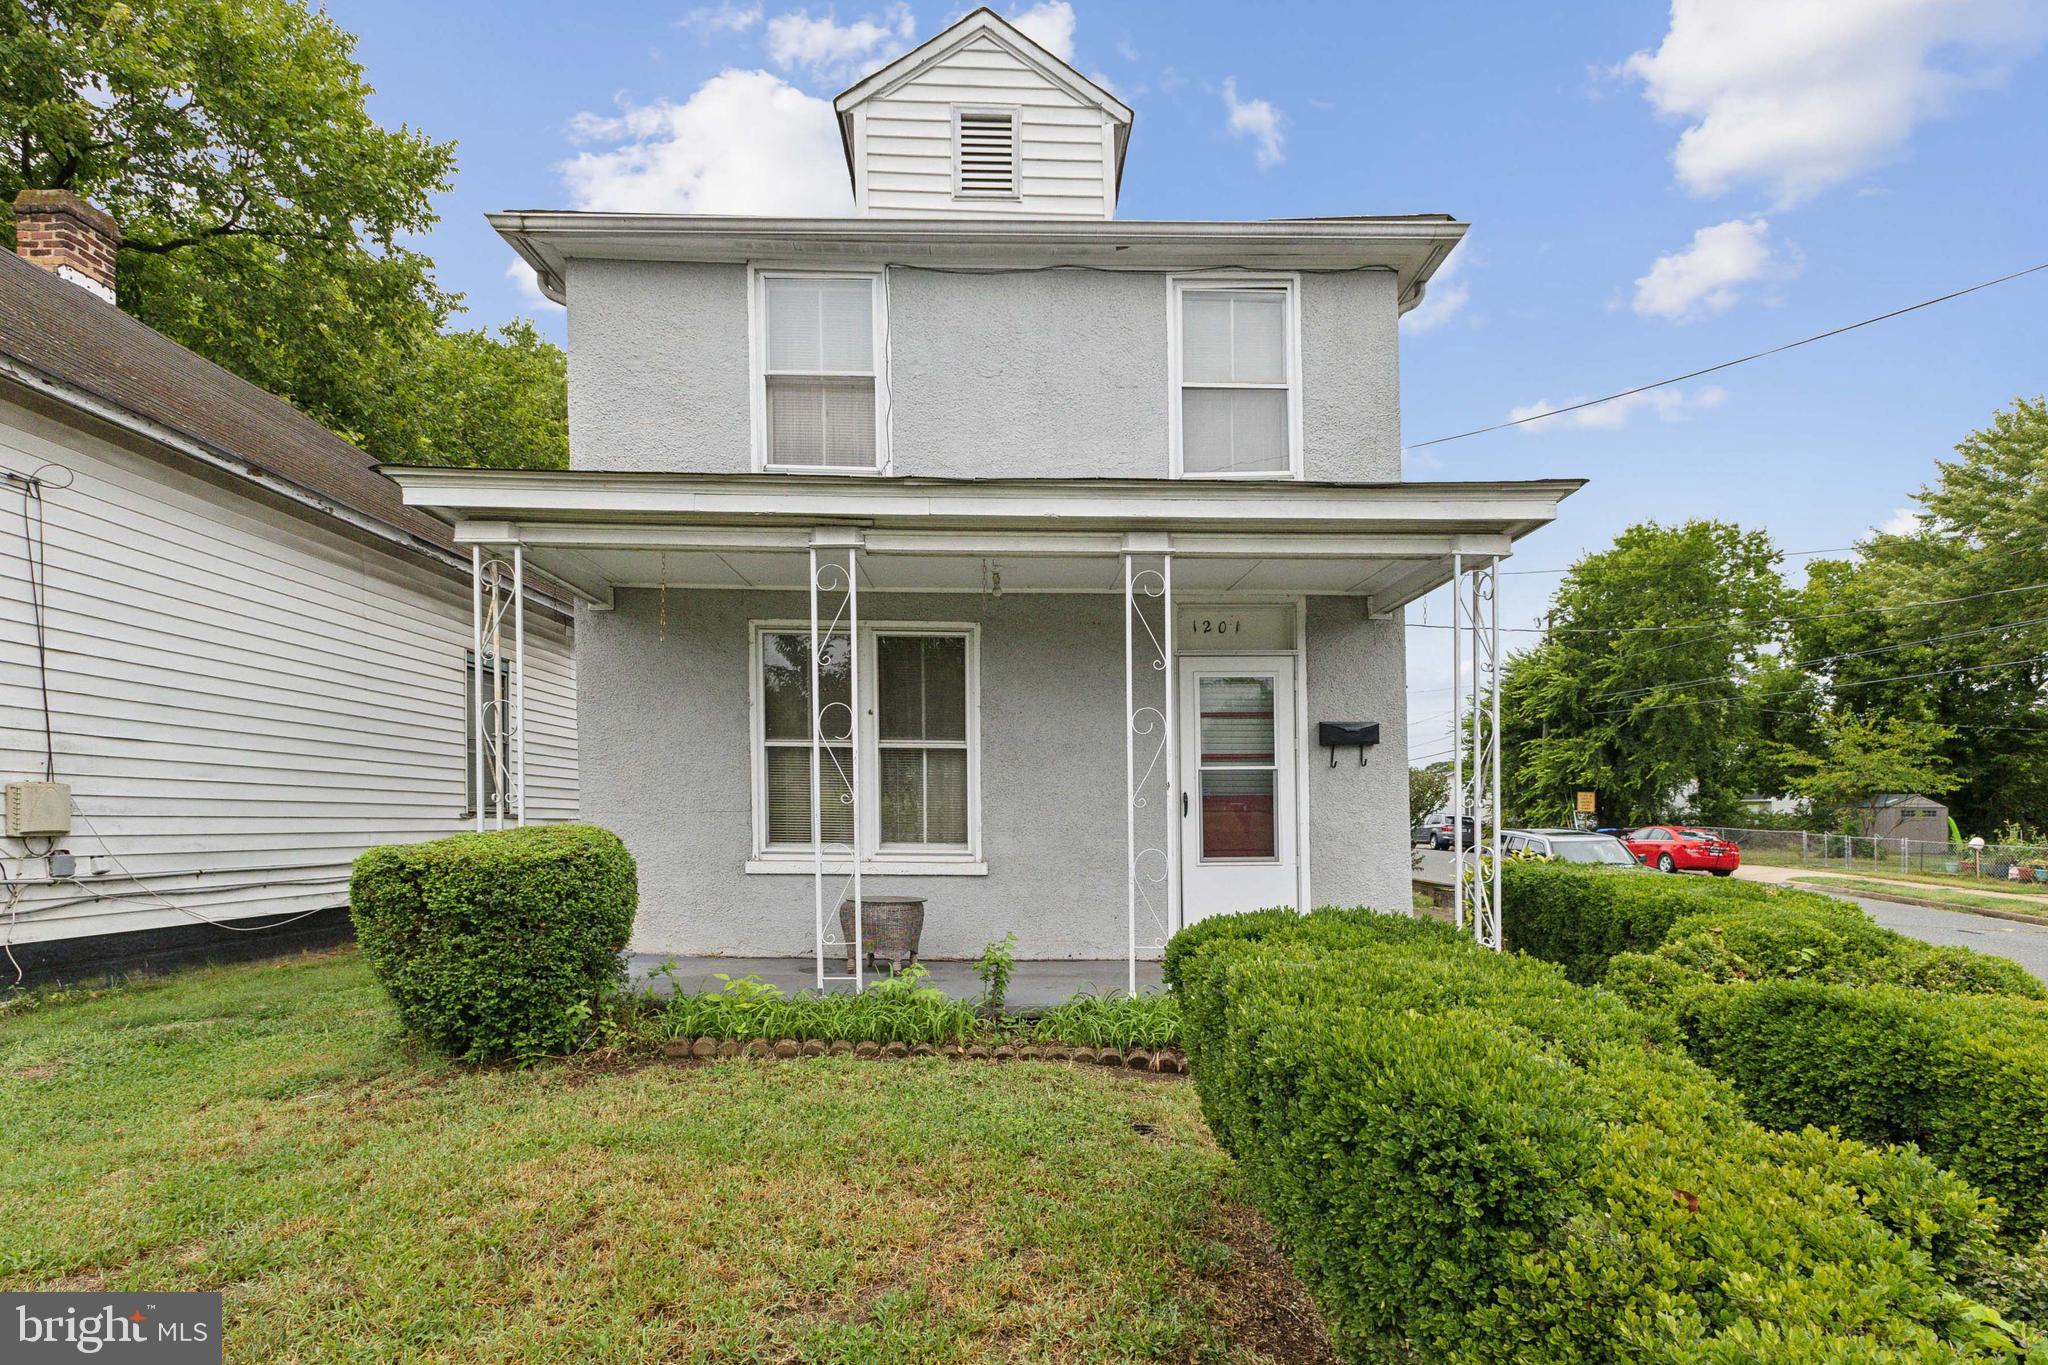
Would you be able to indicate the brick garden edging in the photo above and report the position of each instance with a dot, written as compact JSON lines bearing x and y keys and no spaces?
{"x":1163,"y":1061}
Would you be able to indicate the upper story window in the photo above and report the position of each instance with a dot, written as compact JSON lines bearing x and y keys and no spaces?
{"x":817,"y":386}
{"x":1236,"y":378}
{"x":985,"y":153}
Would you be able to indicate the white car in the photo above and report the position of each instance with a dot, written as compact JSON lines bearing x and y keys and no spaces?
{"x":1568,"y":845}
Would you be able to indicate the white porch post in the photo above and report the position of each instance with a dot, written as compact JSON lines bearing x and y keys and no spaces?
{"x":1152,"y":855}
{"x":477,"y":724}
{"x":1457,"y":743}
{"x":519,"y":684}
{"x":829,"y":574}
{"x":1475,"y":614}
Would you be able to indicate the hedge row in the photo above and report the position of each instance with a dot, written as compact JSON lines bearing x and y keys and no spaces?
{"x":1581,"y":917}
{"x":1782,"y":940}
{"x":1965,"y":1077}
{"x":1471,"y":1159}
{"x":1597,"y":923}
{"x":499,"y":944}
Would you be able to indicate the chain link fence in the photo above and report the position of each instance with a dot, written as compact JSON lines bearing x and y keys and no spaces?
{"x":1888,"y":855}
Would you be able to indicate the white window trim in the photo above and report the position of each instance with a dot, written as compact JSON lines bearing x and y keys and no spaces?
{"x":757,"y":365}
{"x":902,"y":860}
{"x":1178,"y":287}
{"x":1016,"y":116}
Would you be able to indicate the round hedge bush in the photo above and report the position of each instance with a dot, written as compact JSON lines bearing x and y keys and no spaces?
{"x":501,"y":944}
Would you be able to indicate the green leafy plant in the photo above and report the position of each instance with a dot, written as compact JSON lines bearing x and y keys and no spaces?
{"x":901,"y":1009}
{"x":498,"y":945}
{"x":1114,"y":1021}
{"x":995,"y":966}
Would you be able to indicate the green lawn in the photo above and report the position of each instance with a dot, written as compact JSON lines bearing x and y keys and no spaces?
{"x":1888,"y":868}
{"x":1942,"y":895}
{"x":262,"y":1130}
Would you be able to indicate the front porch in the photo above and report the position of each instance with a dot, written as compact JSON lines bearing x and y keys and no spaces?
{"x":1216,"y":639}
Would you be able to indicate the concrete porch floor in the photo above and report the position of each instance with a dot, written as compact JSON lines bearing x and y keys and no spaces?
{"x":1034,"y":984}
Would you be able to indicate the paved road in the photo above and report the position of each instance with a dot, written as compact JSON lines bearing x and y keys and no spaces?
{"x":2026,"y":944}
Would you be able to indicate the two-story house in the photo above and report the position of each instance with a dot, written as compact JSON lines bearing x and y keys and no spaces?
{"x":983,"y":546}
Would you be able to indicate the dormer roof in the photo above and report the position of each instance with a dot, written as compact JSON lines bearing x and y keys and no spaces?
{"x":983,"y":24}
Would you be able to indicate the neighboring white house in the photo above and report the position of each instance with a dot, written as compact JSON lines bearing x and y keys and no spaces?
{"x":223,"y":632}
{"x":984,"y":547}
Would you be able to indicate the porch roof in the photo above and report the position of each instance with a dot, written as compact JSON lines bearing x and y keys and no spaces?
{"x":594,"y":531}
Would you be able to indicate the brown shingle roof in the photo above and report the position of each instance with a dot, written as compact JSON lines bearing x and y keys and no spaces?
{"x":59,"y":330}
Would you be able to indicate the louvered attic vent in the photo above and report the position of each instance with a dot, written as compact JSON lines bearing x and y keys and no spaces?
{"x":987,"y":153}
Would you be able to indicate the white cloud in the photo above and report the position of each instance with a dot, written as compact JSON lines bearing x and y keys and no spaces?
{"x":1668,"y":404}
{"x":706,"y":22}
{"x":1050,"y":24}
{"x":826,"y":48}
{"x":1799,"y":95}
{"x":1904,"y":521}
{"x":745,"y":142}
{"x":1704,"y":277}
{"x":1257,"y":120}
{"x":528,"y":284}
{"x":1447,"y":293}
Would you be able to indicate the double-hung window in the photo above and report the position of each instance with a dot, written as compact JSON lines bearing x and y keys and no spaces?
{"x":818,"y":393}
{"x":917,"y":742}
{"x":1237,"y":399}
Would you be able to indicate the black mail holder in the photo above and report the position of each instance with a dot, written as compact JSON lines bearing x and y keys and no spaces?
{"x":1347,"y":734}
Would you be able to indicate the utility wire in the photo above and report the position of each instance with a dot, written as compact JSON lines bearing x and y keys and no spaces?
{"x":1827,"y":659}
{"x":1728,"y":623}
{"x":1731,"y":364}
{"x":1838,"y":687}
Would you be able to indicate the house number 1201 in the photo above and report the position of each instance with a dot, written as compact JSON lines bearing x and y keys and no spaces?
{"x":1215,"y":625}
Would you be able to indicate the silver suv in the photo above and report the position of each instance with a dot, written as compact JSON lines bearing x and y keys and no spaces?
{"x":1568,"y":845}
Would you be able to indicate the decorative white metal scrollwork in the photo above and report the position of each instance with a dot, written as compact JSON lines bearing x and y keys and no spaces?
{"x":498,"y":685}
{"x":1151,"y":760}
{"x":1475,"y":777}
{"x":835,"y":748}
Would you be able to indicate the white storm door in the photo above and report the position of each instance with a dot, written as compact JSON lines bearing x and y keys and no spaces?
{"x":1237,"y":782}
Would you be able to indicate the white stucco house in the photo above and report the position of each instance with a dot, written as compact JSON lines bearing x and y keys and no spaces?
{"x":231,"y":659}
{"x":984,"y":546}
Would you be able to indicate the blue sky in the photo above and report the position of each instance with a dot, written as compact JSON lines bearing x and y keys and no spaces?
{"x":1651,"y":189}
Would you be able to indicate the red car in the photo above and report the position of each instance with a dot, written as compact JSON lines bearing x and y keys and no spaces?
{"x":1679,"y":848}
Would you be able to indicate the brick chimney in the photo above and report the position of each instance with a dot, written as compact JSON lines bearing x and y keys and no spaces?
{"x":63,"y":234}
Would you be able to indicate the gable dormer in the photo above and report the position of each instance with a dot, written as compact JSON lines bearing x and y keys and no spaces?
{"x":983,"y":122}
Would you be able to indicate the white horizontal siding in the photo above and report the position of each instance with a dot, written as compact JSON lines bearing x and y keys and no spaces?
{"x":1062,"y":142}
{"x":243,"y":698}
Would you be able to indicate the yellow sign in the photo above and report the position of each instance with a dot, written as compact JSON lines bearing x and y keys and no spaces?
{"x":1586,"y":803}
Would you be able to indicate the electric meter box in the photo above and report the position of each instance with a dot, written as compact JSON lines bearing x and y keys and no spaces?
{"x":38,"y":810}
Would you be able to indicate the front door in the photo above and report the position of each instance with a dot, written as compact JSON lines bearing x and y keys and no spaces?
{"x":1237,"y":780}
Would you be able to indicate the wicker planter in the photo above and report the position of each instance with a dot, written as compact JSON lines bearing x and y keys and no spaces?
{"x":889,"y":929}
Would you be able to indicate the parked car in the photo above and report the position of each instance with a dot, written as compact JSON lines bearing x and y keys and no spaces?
{"x":1567,"y":845}
{"x":1436,"y":831}
{"x":1681,"y":848}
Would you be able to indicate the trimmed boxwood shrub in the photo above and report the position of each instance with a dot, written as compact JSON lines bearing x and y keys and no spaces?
{"x":499,"y":944}
{"x":1580,"y":917}
{"x":1333,"y":926}
{"x":1781,"y":941}
{"x":1965,"y":1077}
{"x":1471,"y":1159}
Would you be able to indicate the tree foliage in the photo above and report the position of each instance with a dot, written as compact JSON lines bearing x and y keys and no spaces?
{"x":1948,"y":625}
{"x":1645,"y":674}
{"x":1429,"y":790}
{"x":265,"y":214}
{"x":1858,"y":760}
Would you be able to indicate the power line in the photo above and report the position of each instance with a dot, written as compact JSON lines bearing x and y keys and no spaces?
{"x":1828,"y":659}
{"x":1730,"y":622}
{"x":1838,"y":687}
{"x":1730,"y":364}
{"x":1786,"y":554}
